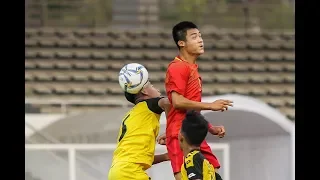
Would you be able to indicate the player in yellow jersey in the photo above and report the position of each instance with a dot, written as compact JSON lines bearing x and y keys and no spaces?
{"x":193,"y":131}
{"x":134,"y":153}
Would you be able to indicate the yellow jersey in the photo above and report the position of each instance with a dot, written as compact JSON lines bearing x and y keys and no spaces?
{"x":195,"y":166}
{"x":138,"y":132}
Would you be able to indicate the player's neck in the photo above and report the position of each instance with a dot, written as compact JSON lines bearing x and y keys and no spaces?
{"x":190,"y":58}
{"x":188,"y":149}
{"x":139,"y":97}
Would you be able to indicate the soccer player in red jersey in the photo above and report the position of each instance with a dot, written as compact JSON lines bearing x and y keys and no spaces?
{"x":183,"y":86}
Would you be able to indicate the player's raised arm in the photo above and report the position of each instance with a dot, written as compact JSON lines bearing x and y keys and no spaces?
{"x":177,"y":77}
{"x":164,"y":104}
{"x":180,"y":102}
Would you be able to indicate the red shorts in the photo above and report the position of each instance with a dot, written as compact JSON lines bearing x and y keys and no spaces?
{"x":176,"y":154}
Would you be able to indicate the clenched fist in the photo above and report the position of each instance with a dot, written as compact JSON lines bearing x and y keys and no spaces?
{"x":218,"y":131}
{"x":162,"y":139}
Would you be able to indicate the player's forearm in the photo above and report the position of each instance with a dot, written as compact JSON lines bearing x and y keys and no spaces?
{"x":211,"y":129}
{"x":160,"y":158}
{"x":184,"y":103}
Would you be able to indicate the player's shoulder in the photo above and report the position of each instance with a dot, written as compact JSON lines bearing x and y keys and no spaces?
{"x":197,"y":156}
{"x":153,"y":104}
{"x":194,"y":158}
{"x":193,"y":164}
{"x":177,"y":64}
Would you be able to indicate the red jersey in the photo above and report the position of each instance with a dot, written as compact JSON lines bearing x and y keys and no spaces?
{"x":183,"y":78}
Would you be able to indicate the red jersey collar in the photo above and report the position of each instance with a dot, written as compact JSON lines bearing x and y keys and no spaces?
{"x":178,"y":58}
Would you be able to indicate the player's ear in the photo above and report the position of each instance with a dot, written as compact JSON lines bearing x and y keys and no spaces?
{"x":180,"y":137}
{"x":181,"y":43}
{"x":144,"y":91}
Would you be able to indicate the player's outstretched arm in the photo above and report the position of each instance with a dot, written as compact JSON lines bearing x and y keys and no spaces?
{"x":180,"y":102}
{"x":160,"y":158}
{"x":177,"y":78}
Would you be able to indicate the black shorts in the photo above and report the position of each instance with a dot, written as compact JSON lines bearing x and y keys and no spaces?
{"x":218,"y":177}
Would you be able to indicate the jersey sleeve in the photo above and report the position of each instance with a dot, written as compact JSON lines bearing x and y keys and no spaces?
{"x":177,"y":78}
{"x":195,"y":171}
{"x":153,"y":105}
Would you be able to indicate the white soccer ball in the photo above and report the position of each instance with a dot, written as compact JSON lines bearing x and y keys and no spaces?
{"x":132,"y":77}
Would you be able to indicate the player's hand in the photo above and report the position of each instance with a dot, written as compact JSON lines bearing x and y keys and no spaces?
{"x":162,"y":139}
{"x":221,"y":105}
{"x":218,"y":131}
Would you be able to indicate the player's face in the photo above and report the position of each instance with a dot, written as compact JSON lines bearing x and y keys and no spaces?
{"x":194,"y":42}
{"x":151,"y":91}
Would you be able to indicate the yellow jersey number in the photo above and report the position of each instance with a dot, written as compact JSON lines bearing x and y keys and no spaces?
{"x":123,"y":128}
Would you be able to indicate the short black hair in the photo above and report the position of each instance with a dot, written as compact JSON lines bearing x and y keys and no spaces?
{"x":194,"y":128}
{"x":130,"y":97}
{"x":179,"y":31}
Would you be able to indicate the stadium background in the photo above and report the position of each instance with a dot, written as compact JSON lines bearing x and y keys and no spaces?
{"x":75,"y":48}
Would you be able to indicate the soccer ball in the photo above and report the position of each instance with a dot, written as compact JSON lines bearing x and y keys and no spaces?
{"x":132,"y":77}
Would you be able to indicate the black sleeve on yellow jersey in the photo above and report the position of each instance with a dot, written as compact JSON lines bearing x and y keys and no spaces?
{"x":196,"y":171}
{"x":154,"y":106}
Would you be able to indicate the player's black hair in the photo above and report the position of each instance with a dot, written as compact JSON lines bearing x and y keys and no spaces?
{"x":133,"y":97}
{"x":194,"y":128}
{"x":179,"y":31}
{"x":130,"y":97}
